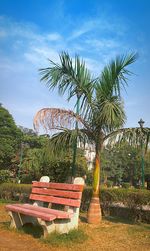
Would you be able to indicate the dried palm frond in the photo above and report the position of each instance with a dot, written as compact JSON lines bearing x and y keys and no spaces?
{"x":57,"y":119}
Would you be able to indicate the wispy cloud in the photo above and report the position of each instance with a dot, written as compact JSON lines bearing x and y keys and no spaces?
{"x":38,"y":55}
{"x":28,"y":31}
{"x":54,"y":37}
{"x":103,"y":43}
{"x":25,"y":49}
{"x":99,"y":25}
{"x":84,"y":28}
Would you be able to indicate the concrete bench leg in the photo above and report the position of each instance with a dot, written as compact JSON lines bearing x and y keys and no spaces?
{"x":65,"y":225}
{"x":62,"y":226}
{"x":15,"y":220}
{"x":48,"y":226}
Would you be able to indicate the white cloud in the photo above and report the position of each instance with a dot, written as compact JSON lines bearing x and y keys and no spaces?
{"x":94,"y":66}
{"x":54,"y":37}
{"x":84,"y":28}
{"x":27,"y":31}
{"x":39,"y":55}
{"x":103,"y":43}
{"x":3,"y":33}
{"x":99,"y":25}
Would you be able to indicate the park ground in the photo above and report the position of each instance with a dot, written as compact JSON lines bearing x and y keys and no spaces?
{"x":110,"y":235}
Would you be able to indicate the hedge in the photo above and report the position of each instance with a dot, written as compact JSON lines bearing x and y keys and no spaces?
{"x":110,"y":198}
{"x":16,"y":192}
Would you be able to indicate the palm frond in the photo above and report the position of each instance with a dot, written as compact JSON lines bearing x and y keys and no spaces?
{"x":66,"y":138}
{"x":108,"y":102}
{"x":134,"y":136}
{"x":70,"y":76}
{"x":57,"y":119}
{"x":114,"y":76}
{"x":108,"y":115}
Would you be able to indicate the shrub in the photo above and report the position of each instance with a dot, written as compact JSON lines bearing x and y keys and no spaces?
{"x":27,"y":178}
{"x":109,"y":183}
{"x":12,"y":191}
{"x":126,"y":185}
{"x":131,"y":199}
{"x":4,"y":176}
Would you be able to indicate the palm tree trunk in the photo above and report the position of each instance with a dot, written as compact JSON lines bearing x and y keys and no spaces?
{"x":94,"y":212}
{"x":74,"y":168}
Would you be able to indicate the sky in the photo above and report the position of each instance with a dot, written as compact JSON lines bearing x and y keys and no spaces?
{"x":33,"y":31}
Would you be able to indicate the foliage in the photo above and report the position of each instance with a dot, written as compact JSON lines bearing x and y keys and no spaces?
{"x":126,"y":185}
{"x":5,"y":176}
{"x":129,"y":197}
{"x":122,"y":163}
{"x":13,"y":191}
{"x":34,"y":141}
{"x":41,"y":161}
{"x":133,"y":199}
{"x":27,"y":131}
{"x":10,"y":138}
{"x":109,"y":183}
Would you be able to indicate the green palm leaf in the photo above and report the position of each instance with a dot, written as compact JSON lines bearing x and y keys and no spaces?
{"x":70,"y":76}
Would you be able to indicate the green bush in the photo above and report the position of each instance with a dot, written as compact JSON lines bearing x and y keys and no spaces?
{"x":109,"y":183}
{"x":129,"y":197}
{"x":4,"y":176}
{"x":27,"y":178}
{"x":17,"y":192}
{"x":132,"y":199}
{"x":126,"y":185}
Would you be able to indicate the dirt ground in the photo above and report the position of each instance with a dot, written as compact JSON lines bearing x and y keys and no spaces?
{"x":108,"y":236}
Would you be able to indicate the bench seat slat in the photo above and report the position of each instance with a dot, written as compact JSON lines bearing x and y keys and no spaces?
{"x":25,"y":211}
{"x":55,"y":200}
{"x":59,"y":193}
{"x":61,"y":186}
{"x":59,"y":214}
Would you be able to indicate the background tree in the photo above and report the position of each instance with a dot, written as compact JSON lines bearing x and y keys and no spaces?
{"x":42,"y":161}
{"x":10,"y":138}
{"x":30,"y":156}
{"x":121,"y":163}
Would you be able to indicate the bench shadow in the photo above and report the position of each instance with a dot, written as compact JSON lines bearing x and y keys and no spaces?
{"x":28,"y":228}
{"x":34,"y":231}
{"x":119,"y":220}
{"x":83,"y":218}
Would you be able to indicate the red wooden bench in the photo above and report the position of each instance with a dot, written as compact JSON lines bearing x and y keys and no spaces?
{"x":62,"y":221}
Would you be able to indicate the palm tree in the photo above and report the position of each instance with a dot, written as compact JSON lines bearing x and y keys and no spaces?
{"x":101,"y":112}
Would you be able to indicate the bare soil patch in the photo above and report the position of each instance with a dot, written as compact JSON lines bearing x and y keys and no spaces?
{"x":108,"y":235}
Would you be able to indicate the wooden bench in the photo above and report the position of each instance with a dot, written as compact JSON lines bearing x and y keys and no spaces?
{"x":65,"y":195}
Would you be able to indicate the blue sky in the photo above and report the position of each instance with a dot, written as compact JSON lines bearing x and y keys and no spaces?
{"x":33,"y":30}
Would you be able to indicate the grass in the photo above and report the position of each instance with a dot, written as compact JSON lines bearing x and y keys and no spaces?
{"x":111,"y":234}
{"x":3,"y":201}
{"x":139,"y":229}
{"x":73,"y":237}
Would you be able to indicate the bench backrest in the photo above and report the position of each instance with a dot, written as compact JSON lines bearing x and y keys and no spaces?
{"x":57,"y":193}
